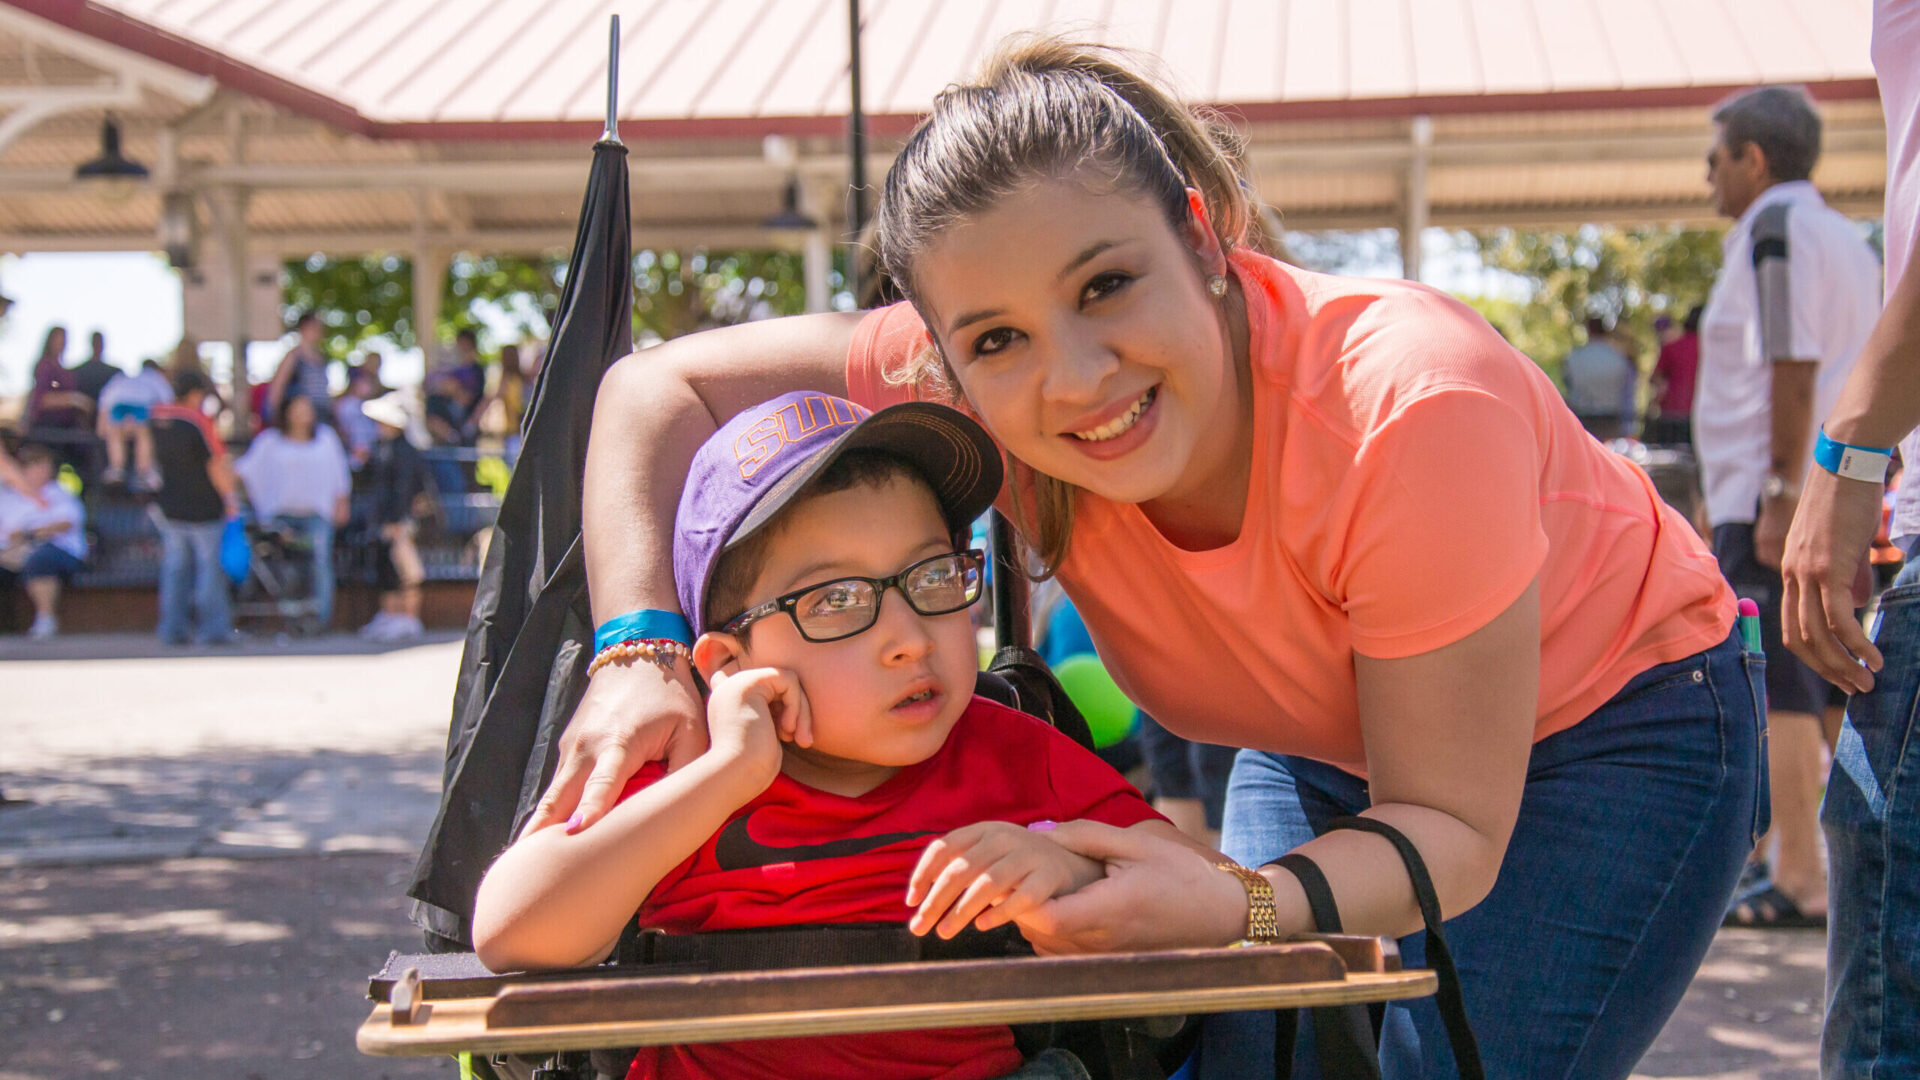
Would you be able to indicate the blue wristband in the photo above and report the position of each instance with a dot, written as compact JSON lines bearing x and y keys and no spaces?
{"x":1866,"y":463}
{"x":645,"y":625}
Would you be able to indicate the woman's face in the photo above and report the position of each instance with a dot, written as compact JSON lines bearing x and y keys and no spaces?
{"x":300,"y":417}
{"x":1080,"y":328}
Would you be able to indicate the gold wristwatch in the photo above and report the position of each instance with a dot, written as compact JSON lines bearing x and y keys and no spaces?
{"x":1263,"y":919}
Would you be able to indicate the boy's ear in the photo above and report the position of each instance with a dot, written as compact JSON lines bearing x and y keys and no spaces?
{"x":713,"y":652}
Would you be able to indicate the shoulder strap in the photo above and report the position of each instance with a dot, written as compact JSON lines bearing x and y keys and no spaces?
{"x":1453,"y":1007}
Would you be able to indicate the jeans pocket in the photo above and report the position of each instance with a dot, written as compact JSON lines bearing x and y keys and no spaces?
{"x":1754,"y":666}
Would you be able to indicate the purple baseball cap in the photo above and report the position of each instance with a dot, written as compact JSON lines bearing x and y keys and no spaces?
{"x":759,"y":460}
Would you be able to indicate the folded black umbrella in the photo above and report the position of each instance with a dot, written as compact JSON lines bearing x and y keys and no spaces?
{"x":530,"y":636}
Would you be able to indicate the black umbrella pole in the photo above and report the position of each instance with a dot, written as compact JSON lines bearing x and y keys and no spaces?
{"x":1012,"y":614}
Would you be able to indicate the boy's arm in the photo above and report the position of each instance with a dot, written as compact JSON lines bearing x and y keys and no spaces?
{"x":560,"y":896}
{"x":558,"y":899}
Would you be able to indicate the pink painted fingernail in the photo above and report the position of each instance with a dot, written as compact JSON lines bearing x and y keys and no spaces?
{"x":577,"y":822}
{"x":1042,"y":826}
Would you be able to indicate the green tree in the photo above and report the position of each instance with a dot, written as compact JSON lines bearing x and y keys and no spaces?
{"x":1630,"y":276}
{"x":674,"y":293}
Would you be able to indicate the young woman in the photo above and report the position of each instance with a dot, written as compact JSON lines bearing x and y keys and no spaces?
{"x":1339,"y":522}
{"x":296,"y":474}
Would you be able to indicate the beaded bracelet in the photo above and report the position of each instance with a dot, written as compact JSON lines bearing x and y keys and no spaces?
{"x":661,"y":652}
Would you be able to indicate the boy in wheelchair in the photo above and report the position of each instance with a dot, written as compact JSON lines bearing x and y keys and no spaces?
{"x":851,"y":776}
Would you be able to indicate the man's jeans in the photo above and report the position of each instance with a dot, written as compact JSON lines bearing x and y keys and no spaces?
{"x":191,"y":577}
{"x":319,"y":535}
{"x":1872,"y":821}
{"x":1632,"y":831}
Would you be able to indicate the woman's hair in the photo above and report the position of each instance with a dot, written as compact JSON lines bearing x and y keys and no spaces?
{"x":1048,"y":108}
{"x":283,"y":417}
{"x":47,"y":347}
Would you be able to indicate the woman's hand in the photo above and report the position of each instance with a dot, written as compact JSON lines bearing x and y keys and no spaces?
{"x":1158,"y":892}
{"x":749,"y":715}
{"x":630,"y":715}
{"x":991,"y":874}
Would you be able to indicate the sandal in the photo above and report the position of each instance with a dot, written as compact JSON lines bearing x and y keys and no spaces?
{"x":1767,"y":908}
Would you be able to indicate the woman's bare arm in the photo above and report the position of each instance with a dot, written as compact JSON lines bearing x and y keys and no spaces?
{"x":1448,"y":735}
{"x":654,"y":410}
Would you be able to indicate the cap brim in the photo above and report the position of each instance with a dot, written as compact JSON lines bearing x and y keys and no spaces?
{"x":953,"y":453}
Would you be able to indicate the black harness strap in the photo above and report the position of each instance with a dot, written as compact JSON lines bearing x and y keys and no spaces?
{"x":1452,"y":1003}
{"x":1343,"y":1035}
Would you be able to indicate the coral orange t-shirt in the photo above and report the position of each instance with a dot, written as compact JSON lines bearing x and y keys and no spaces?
{"x":1412,"y":474}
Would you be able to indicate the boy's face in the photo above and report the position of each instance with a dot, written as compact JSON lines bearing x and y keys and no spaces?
{"x":38,"y":473}
{"x":858,"y":688}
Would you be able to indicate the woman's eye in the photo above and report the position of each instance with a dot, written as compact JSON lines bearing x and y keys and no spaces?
{"x":992,"y":341}
{"x":1104,"y":285}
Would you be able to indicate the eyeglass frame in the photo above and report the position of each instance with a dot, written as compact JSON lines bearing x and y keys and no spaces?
{"x":787,"y":602}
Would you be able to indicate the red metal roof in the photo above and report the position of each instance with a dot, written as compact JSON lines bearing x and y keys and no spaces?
{"x":536,"y":68}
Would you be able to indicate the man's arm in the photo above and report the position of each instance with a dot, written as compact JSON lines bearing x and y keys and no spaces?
{"x":1792,"y":442}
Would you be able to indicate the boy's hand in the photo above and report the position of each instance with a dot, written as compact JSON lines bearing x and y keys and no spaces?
{"x":991,"y":874}
{"x":750,"y":713}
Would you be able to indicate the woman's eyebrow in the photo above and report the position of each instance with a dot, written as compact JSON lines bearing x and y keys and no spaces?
{"x":1092,"y":251}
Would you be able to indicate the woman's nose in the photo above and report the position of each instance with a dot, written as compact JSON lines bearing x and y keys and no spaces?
{"x":1077,"y":370}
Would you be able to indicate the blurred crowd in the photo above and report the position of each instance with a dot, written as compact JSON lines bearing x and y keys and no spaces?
{"x":285,"y":478}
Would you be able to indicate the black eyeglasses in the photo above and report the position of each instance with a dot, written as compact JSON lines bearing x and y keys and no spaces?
{"x":844,"y":607}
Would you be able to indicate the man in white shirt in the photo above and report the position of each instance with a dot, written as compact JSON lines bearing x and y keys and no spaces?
{"x":1796,"y":297}
{"x":42,"y":543}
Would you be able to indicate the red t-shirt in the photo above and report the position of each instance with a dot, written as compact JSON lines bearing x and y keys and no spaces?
{"x":797,"y":855}
{"x":1679,"y":362}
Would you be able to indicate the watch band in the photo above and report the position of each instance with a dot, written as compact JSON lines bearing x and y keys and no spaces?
{"x":1866,"y":463}
{"x":1263,"y":919}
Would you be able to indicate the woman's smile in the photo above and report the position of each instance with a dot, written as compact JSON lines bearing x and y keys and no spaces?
{"x":1121,"y":435}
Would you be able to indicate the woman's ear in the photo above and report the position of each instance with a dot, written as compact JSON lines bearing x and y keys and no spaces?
{"x":713,"y":652}
{"x":1199,"y":236}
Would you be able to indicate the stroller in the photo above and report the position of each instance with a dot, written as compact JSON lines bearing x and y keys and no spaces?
{"x":279,"y":587}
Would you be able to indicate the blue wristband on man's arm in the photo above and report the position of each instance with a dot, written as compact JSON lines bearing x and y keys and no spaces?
{"x":649,"y":625}
{"x":1866,"y":463}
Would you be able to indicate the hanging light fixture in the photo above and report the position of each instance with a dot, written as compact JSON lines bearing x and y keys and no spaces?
{"x":112,"y":170}
{"x":791,"y":218}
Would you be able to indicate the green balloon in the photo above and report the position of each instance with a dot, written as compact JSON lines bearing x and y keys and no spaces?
{"x":1108,"y":712}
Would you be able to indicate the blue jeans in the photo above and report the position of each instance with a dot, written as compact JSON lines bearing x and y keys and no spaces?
{"x":1872,"y":820}
{"x":191,"y":578}
{"x":319,"y":533}
{"x":1633,"y":828}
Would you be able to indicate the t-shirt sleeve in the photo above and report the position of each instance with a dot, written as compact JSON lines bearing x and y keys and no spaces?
{"x":884,"y":344}
{"x":1787,"y":273}
{"x":1088,"y":788}
{"x":1444,"y":528}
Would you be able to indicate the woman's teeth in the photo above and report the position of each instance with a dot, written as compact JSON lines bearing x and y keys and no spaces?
{"x":1119,"y":424}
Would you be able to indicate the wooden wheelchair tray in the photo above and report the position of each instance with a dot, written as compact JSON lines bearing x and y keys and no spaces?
{"x":545,"y":1014}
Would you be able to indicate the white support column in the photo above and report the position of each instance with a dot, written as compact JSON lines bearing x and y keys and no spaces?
{"x":816,"y":257}
{"x":1413,"y":225}
{"x":429,"y":274}
{"x":230,"y":218}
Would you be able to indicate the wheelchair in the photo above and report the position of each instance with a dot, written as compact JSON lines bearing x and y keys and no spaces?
{"x":820,"y":979}
{"x":279,"y":588}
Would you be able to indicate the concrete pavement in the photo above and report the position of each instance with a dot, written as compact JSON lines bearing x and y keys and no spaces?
{"x":206,"y":854}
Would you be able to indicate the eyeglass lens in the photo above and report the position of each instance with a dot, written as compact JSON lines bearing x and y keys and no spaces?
{"x":940,"y":585}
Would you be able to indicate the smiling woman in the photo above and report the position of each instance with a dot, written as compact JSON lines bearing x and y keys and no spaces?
{"x":1339,"y":522}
